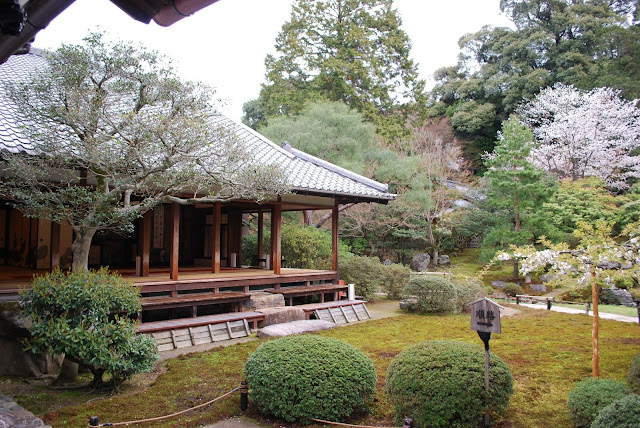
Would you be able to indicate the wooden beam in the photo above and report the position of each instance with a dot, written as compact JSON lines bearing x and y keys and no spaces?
{"x":276,"y":238}
{"x":175,"y":241}
{"x":215,"y":238}
{"x":146,"y":242}
{"x":55,"y":245}
{"x":334,"y":237}
{"x":260,"y":234}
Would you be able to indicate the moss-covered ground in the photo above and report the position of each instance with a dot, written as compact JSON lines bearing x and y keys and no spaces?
{"x":546,"y":351}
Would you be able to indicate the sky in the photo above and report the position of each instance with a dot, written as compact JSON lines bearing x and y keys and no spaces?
{"x":225,"y":44}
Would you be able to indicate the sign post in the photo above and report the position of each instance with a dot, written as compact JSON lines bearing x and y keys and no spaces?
{"x":485,"y":319}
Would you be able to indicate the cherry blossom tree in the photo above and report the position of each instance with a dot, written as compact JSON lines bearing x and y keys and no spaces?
{"x":585,"y":133}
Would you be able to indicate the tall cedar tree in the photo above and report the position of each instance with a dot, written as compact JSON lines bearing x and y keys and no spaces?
{"x":352,"y":51}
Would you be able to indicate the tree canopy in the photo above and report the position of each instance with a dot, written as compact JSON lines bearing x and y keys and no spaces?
{"x":342,"y":50}
{"x":585,"y":43}
{"x":114,"y":132}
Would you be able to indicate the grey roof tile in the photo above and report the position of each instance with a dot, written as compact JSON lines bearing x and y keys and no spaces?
{"x":306,"y":174}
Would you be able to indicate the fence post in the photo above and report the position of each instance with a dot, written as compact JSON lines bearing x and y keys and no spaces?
{"x":244,"y":395}
{"x":548,"y":303}
{"x":517,"y":299}
{"x":588,"y":306}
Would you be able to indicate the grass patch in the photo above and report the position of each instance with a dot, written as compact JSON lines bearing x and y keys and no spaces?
{"x":546,"y":351}
{"x":610,"y":309}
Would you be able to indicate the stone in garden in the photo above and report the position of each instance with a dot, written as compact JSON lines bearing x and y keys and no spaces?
{"x":498,"y":284}
{"x":618,"y":295}
{"x":262,"y":299}
{"x":609,"y":265}
{"x":281,"y":315}
{"x":547,"y":277}
{"x":14,"y":361}
{"x":444,"y":259}
{"x":420,"y":262}
{"x":538,"y":288}
{"x":387,"y":262}
{"x":295,"y":327}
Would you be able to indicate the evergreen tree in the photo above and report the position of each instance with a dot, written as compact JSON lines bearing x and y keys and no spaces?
{"x":352,"y":51}
{"x":514,"y":186}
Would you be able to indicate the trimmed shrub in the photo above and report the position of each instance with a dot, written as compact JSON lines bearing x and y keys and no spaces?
{"x":394,"y":278}
{"x":301,"y":377}
{"x":87,"y":316}
{"x":431,"y":294}
{"x":365,"y":272}
{"x":440,"y":383}
{"x":589,"y":396}
{"x":512,"y":289}
{"x":623,"y":413}
{"x":634,"y":375}
{"x":468,"y":290}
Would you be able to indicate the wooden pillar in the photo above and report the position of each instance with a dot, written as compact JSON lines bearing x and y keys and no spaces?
{"x":145,"y":242}
{"x":276,"y":238}
{"x":334,"y":237}
{"x":55,"y":245}
{"x":215,"y":238}
{"x":175,"y":241}
{"x":260,"y":234}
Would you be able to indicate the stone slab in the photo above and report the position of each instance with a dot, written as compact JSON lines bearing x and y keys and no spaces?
{"x":281,"y":315}
{"x":261,"y":299}
{"x":295,"y":327}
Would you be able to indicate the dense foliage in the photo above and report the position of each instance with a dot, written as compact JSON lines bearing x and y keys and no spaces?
{"x":587,"y":44}
{"x":512,"y":289}
{"x":590,"y":396}
{"x":301,"y":377}
{"x":622,"y":413}
{"x":86,"y":316}
{"x":431,"y":294}
{"x":633,"y":379}
{"x":365,"y":272}
{"x":349,"y":51}
{"x":440,"y":383}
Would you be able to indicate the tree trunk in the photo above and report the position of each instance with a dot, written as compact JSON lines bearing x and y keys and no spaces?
{"x":68,"y":372}
{"x":515,"y":268}
{"x":80,"y":248}
{"x":434,"y":260}
{"x":308,"y":217}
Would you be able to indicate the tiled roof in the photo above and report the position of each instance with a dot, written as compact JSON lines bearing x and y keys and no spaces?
{"x":306,"y":174}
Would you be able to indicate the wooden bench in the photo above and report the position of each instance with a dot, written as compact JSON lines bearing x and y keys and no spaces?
{"x":186,"y":332}
{"x":309,"y":290}
{"x":525,"y":298}
{"x":192,"y":300}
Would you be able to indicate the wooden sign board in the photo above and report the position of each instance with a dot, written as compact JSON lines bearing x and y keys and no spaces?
{"x":485,"y":316}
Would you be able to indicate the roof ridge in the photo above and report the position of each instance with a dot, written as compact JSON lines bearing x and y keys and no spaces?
{"x":335,"y":168}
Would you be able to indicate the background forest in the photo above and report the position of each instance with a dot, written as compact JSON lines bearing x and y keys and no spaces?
{"x":535,"y":128}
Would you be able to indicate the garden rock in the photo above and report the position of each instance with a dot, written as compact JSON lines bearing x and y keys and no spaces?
{"x":281,"y":315}
{"x":420,"y":262}
{"x":262,"y":299}
{"x":618,"y":296}
{"x":538,"y":288}
{"x":13,"y":415}
{"x":387,"y":262}
{"x":498,"y":284}
{"x":14,"y":361}
{"x":295,"y":327}
{"x":444,"y":260}
{"x":547,"y":277}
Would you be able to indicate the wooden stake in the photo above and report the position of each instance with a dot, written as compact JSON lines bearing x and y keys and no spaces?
{"x":594,"y":332}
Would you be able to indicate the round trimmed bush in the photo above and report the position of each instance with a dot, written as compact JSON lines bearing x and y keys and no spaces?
{"x":512,"y":289}
{"x":301,"y":377}
{"x":468,"y":290}
{"x":634,"y":374}
{"x":589,"y":396}
{"x":431,"y":294}
{"x":623,"y":413}
{"x":440,"y":383}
